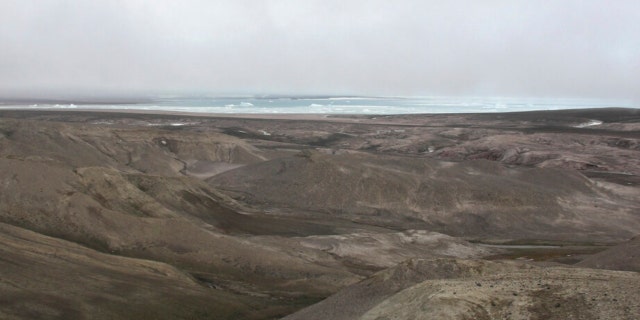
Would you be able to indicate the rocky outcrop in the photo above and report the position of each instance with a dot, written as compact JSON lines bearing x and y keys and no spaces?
{"x":459,"y":289}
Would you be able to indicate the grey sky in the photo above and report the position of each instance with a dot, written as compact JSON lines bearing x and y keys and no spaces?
{"x":507,"y":48}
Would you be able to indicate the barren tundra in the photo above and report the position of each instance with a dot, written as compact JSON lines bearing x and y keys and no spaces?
{"x":107,"y":215}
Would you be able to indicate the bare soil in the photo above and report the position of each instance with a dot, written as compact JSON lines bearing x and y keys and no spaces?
{"x":112,"y":215}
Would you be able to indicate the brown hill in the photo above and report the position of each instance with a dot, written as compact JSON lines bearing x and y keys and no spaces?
{"x":176,"y":220}
{"x":87,"y":190}
{"x":148,"y":149}
{"x":477,"y":199}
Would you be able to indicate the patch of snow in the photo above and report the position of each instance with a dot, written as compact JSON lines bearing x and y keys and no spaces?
{"x":589,"y":124}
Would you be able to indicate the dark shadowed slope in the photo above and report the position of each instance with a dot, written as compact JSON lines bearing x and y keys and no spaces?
{"x":47,"y":278}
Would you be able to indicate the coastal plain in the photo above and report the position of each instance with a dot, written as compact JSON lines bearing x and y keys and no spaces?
{"x":120,"y":215}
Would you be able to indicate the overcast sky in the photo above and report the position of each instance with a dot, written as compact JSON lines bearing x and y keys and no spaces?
{"x":529,"y":48}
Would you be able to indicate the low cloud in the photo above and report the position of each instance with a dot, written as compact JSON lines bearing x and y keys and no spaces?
{"x":503,"y":48}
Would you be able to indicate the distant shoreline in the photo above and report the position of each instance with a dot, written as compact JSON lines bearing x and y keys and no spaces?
{"x":278,"y":106}
{"x":88,"y":101}
{"x":275,"y":116}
